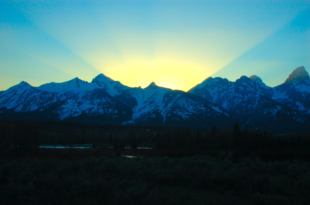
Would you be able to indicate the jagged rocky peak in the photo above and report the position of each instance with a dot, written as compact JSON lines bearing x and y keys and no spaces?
{"x":102,"y":79}
{"x":211,"y":80}
{"x":202,"y":84}
{"x":258,"y":80}
{"x":243,"y":79}
{"x":208,"y":79}
{"x":23,"y":83}
{"x":255,"y":78}
{"x":75,"y":81}
{"x":152,"y":85}
{"x":298,"y":74}
{"x":206,"y":82}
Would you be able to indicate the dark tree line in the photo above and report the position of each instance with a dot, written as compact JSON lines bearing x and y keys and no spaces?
{"x":20,"y":136}
{"x":28,"y":135}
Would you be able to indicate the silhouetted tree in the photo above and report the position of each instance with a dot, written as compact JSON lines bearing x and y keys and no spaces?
{"x":213,"y":131}
{"x":236,"y":129}
{"x":236,"y":134}
{"x":110,"y":139}
{"x":116,"y":145}
{"x":186,"y":138}
{"x":83,"y":137}
{"x":133,"y":143}
{"x":122,"y":144}
{"x":198,"y":140}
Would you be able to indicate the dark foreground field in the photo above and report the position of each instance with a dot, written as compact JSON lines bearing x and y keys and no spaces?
{"x":113,"y":179}
{"x":181,"y":166}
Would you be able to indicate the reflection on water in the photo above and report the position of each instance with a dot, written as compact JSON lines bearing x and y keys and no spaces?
{"x":128,"y":156}
{"x":130,"y":147}
{"x":144,"y":147}
{"x":82,"y":146}
{"x":75,"y":146}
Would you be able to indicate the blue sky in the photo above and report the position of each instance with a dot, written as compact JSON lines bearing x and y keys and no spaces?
{"x":176,"y":44}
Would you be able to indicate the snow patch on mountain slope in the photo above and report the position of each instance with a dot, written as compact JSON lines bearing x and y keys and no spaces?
{"x":300,"y":106}
{"x":148,"y":100}
{"x":187,"y":107}
{"x":73,"y":109}
{"x":303,"y":87}
{"x":217,"y":109}
{"x":295,"y":94}
{"x":279,"y":95}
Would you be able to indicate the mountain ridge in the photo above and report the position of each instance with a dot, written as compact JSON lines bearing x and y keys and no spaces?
{"x":212,"y":102}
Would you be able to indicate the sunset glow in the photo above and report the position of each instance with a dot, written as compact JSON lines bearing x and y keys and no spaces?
{"x":175,"y":44}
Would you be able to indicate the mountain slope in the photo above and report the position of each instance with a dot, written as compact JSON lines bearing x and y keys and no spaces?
{"x":64,"y":100}
{"x":295,"y":91}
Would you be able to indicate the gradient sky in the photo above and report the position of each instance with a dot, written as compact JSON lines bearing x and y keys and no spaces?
{"x":175,"y":43}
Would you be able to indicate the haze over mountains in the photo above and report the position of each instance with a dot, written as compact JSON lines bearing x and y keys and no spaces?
{"x":215,"y":101}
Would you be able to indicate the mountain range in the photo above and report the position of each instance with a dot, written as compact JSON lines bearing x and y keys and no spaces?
{"x":215,"y":101}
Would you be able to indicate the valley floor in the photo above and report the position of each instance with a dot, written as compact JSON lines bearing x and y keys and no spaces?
{"x":81,"y":177}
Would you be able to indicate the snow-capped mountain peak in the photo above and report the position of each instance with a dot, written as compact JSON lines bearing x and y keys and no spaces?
{"x":99,"y":79}
{"x":77,"y":82}
{"x":21,"y":86}
{"x":111,"y":86}
{"x":298,"y":74}
{"x":72,"y":85}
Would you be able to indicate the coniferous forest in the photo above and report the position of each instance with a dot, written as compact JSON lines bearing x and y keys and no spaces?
{"x":150,"y":165}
